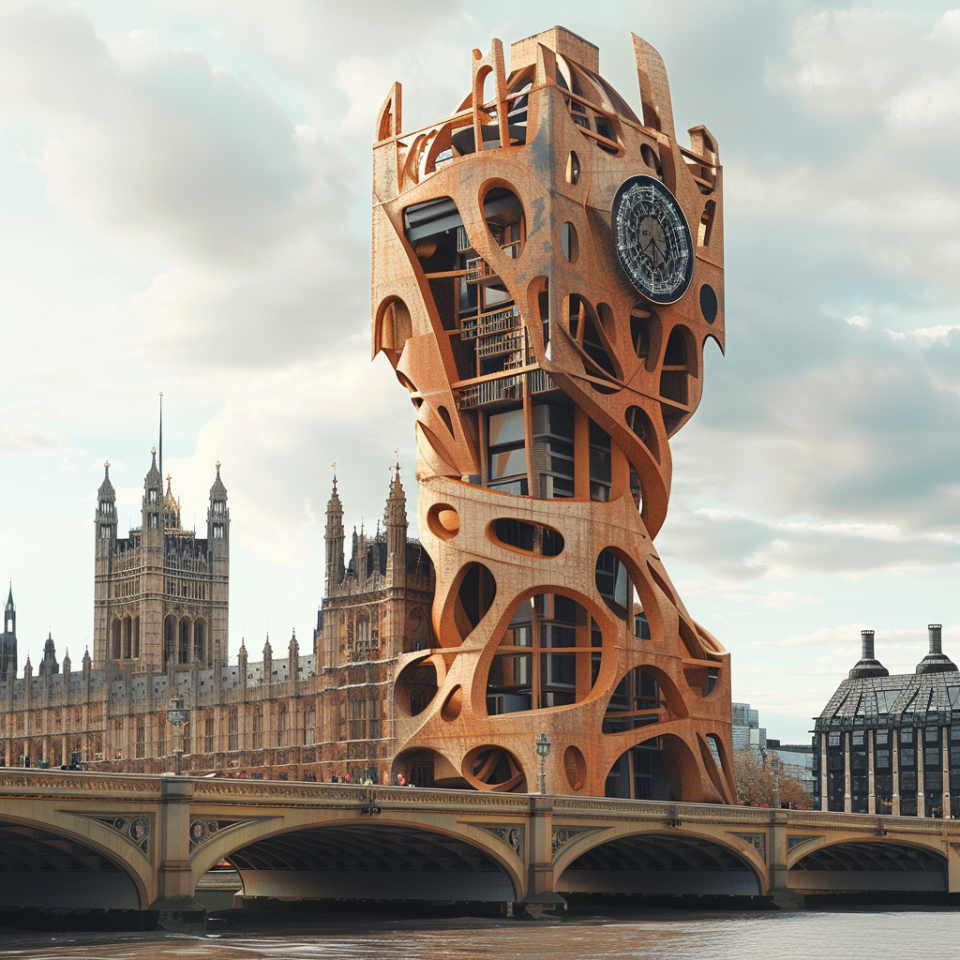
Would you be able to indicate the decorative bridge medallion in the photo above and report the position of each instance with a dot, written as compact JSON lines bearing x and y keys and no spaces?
{"x":563,"y":835}
{"x":756,"y":840}
{"x":511,"y":835}
{"x":203,"y":830}
{"x":135,"y":828}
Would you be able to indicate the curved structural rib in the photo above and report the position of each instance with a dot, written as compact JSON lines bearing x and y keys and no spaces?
{"x":547,"y":267}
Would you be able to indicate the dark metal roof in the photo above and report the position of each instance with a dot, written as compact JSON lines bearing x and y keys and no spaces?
{"x":905,"y":699}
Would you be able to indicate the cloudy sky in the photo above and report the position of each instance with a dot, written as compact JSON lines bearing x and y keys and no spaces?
{"x":184,"y":206}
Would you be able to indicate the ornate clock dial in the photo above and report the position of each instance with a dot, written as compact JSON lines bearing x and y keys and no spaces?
{"x":652,"y":239}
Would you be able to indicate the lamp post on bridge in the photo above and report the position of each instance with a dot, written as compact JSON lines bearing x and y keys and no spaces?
{"x":543,"y":751}
{"x":180,"y":719}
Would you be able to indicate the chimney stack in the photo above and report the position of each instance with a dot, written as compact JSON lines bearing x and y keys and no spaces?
{"x":936,"y":661}
{"x":868,"y":665}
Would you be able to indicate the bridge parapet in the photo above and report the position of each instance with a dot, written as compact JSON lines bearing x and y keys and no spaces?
{"x":164,"y":833}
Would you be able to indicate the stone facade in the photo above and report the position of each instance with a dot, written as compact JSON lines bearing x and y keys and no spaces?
{"x":305,"y":716}
{"x":161,"y":593}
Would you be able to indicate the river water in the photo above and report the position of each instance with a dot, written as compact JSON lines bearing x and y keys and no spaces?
{"x":650,"y":935}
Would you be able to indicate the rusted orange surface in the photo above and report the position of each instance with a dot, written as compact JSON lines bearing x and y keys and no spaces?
{"x":547,"y":383}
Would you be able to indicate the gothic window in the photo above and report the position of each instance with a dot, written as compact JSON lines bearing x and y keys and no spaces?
{"x":104,"y":533}
{"x":218,"y":531}
{"x":208,"y":734}
{"x":139,"y":745}
{"x":161,"y":737}
{"x":234,"y":731}
{"x":153,"y":496}
{"x":153,"y":521}
{"x":258,"y":728}
{"x":358,"y":710}
{"x":118,"y":737}
{"x":310,"y":727}
{"x":282,"y":719}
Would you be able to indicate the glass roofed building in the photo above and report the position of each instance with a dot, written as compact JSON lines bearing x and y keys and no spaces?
{"x":888,"y":744}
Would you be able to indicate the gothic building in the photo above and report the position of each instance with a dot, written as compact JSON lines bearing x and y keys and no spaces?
{"x":161,"y":622}
{"x":161,"y":592}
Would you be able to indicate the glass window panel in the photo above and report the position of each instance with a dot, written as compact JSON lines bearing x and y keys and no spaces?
{"x":508,"y":463}
{"x":506,"y":427}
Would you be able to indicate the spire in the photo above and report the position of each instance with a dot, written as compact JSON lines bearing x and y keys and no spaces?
{"x":49,"y":665}
{"x":395,"y":520}
{"x":106,"y":491}
{"x":396,"y":511}
{"x":333,"y":539}
{"x":161,"y":433}
{"x":153,"y":477}
{"x":10,"y":596}
{"x":218,"y":491}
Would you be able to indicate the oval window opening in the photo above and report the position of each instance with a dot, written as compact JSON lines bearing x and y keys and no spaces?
{"x":478,"y":590}
{"x":708,"y":303}
{"x":529,"y":537}
{"x":503,"y":214}
{"x":575,"y":767}
{"x":573,"y":168}
{"x":641,"y":425}
{"x":569,"y":244}
{"x":614,"y":584}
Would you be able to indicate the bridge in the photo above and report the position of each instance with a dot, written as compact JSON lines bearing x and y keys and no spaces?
{"x":142,"y":843}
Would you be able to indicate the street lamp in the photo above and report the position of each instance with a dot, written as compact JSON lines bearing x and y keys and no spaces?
{"x":543,"y":751}
{"x":179,"y":718}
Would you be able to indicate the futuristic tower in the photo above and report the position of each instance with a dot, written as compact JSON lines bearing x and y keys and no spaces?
{"x":547,"y":266}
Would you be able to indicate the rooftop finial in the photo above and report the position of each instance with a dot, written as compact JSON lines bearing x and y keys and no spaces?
{"x":161,"y":433}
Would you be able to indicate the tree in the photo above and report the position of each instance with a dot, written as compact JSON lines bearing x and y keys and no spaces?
{"x":756,"y":781}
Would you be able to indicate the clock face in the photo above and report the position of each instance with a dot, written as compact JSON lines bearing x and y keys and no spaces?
{"x":653,"y":239}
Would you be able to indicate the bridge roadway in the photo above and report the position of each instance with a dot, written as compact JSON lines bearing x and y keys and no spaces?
{"x":127,"y":842}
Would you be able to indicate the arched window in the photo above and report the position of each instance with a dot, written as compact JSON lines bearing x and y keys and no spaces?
{"x":186,"y":635}
{"x":115,"y":646}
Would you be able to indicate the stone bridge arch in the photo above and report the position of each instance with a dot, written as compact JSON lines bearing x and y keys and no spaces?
{"x":73,"y":861}
{"x":624,"y":859}
{"x":859,"y":864}
{"x":345,"y":855}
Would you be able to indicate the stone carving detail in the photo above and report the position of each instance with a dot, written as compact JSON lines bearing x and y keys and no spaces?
{"x":797,"y":840}
{"x":756,"y":840}
{"x":203,"y":830}
{"x":511,"y":835}
{"x":136,"y":828}
{"x":563,"y":835}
